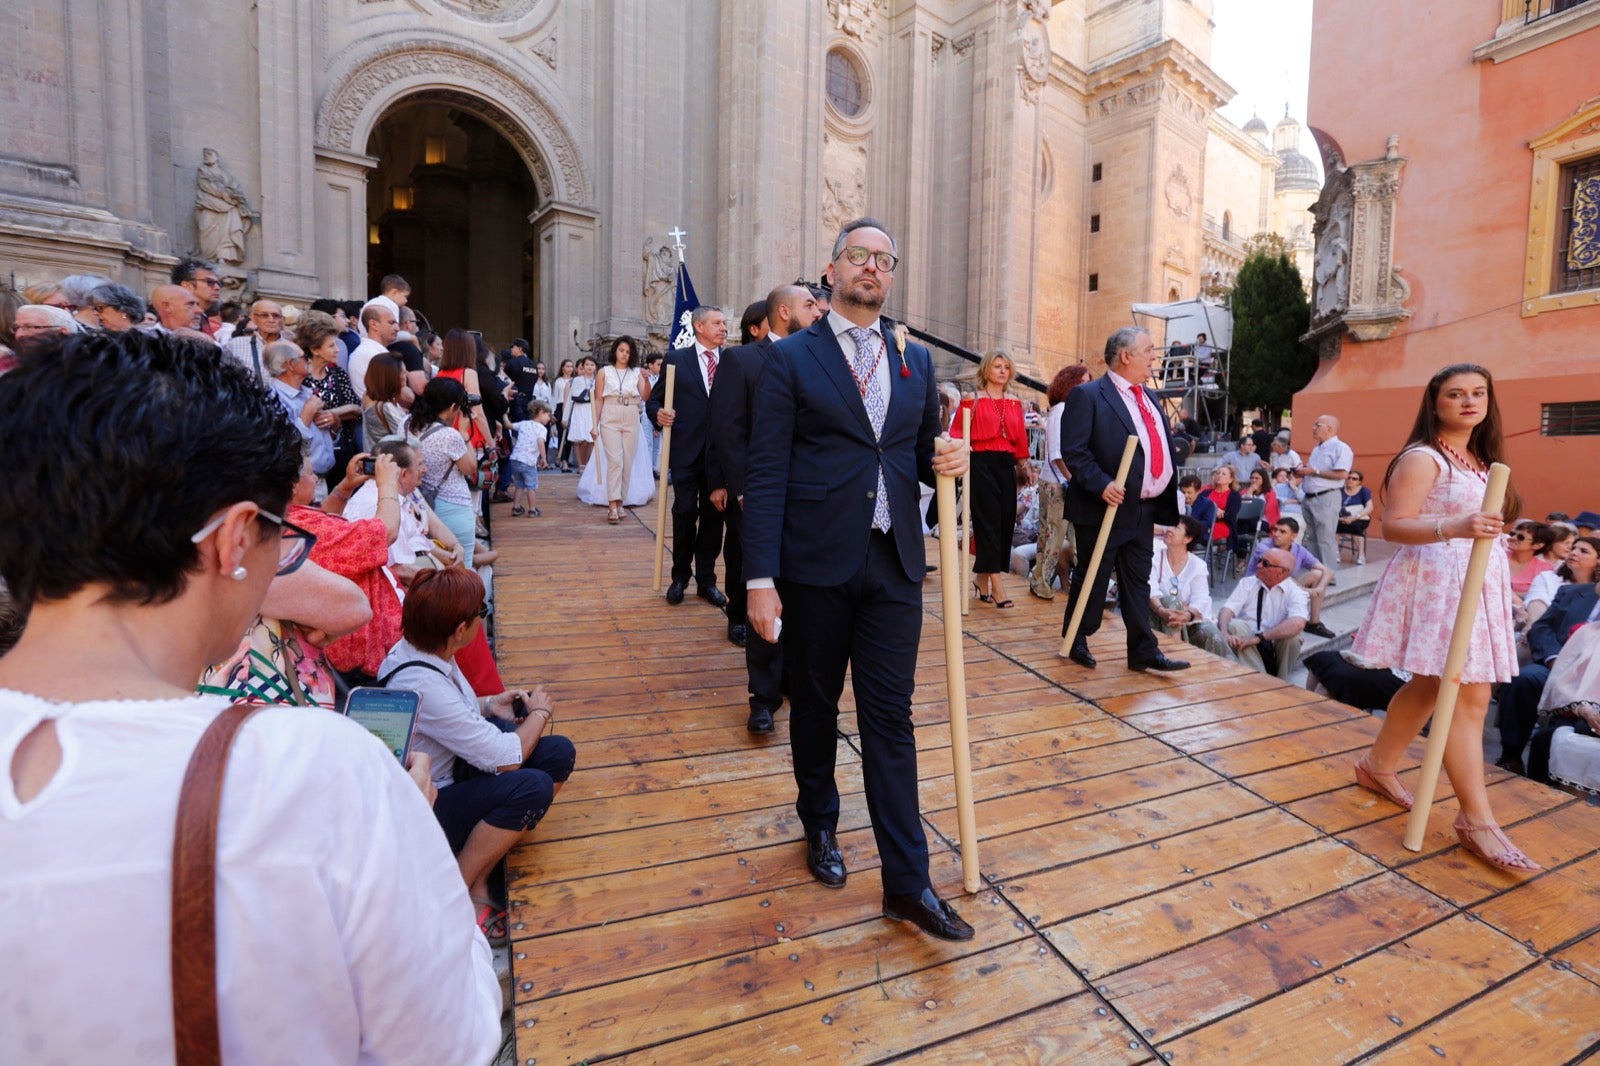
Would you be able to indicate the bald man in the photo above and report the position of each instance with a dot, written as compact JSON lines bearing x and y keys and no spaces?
{"x":1263,"y":619}
{"x":176,"y":308}
{"x":266,"y":327}
{"x":1325,"y":470}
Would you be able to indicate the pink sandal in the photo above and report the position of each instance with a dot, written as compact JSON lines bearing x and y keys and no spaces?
{"x":1507,"y":857}
{"x":1389,"y":786}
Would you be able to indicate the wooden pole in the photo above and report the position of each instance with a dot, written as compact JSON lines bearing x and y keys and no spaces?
{"x":1444,"y":705}
{"x":955,"y":666}
{"x":1082,"y":596}
{"x":661,"y":487}
{"x":966,"y":520}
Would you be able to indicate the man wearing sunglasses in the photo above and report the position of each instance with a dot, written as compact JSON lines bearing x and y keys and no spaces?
{"x":1265,"y":616}
{"x":843,"y":427}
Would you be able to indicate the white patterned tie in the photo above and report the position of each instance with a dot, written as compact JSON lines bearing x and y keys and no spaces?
{"x":866,"y":375}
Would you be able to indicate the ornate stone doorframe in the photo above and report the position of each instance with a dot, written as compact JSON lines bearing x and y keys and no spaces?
{"x":384,"y":74}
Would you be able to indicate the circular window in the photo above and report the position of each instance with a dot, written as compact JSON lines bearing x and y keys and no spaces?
{"x":847,"y":90}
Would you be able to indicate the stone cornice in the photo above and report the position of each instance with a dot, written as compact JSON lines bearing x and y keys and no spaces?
{"x":1168,"y":59}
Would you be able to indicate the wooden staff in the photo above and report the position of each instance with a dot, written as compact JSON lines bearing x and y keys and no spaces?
{"x":955,"y":667}
{"x":966,"y":521}
{"x":1444,"y":705}
{"x":1100,"y":550}
{"x":661,"y":497}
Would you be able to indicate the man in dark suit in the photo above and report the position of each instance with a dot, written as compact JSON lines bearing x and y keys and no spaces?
{"x":845,"y":420}
{"x":788,"y":309}
{"x":1095,"y":426}
{"x":696,"y":524}
{"x":1519,"y":700}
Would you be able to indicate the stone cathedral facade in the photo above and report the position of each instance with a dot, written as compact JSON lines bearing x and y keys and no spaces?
{"x":522,"y":162}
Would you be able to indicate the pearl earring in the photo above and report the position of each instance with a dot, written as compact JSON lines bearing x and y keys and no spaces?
{"x":239,"y":573}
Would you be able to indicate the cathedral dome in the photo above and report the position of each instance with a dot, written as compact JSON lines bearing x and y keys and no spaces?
{"x":1255,"y":125}
{"x":1295,"y":171}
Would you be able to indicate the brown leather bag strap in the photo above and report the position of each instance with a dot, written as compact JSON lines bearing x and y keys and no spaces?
{"x":194,"y":892}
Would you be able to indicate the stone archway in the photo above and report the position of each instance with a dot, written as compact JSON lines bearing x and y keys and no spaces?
{"x":521,"y":105}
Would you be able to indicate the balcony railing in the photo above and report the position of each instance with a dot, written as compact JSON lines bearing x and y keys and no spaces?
{"x":1534,"y":10}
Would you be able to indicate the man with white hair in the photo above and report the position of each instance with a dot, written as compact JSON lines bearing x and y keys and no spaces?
{"x":1264,"y":618}
{"x":1324,"y":474}
{"x":39,"y":324}
{"x":287,"y":368}
{"x":266,"y":320}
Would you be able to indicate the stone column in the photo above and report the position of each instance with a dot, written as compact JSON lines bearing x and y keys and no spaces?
{"x":288,"y":266}
{"x":341,"y":221}
{"x":567,"y":244}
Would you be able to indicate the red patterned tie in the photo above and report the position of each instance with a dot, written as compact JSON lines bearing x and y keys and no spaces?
{"x":711,"y":367}
{"x":1157,"y":461}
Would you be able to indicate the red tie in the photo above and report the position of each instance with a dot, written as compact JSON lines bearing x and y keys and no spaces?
{"x":711,"y":367}
{"x":1156,"y":460}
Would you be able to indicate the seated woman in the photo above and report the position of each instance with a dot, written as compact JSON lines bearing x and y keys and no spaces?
{"x":322,"y":949}
{"x":1258,"y":485}
{"x":1224,"y":494}
{"x":422,"y":541}
{"x":1355,"y":513}
{"x":1180,"y":589}
{"x":497,"y":774}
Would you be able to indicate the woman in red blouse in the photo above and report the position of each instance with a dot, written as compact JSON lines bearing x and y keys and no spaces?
{"x":999,"y":462}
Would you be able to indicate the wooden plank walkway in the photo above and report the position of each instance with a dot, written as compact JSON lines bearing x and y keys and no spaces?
{"x":1176,"y":868}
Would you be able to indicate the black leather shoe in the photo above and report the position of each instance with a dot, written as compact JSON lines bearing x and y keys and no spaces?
{"x":1080,"y":655}
{"x":933,"y":915}
{"x":1160,"y":662}
{"x":712,"y":595}
{"x":1317,"y":629}
{"x":823,"y":858}
{"x":675,"y":593}
{"x":738,"y":633}
{"x":761,"y":722}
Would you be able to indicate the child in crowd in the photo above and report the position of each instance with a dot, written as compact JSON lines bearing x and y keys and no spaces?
{"x":527,"y":456}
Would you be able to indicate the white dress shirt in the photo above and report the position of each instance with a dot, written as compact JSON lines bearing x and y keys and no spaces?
{"x":1332,"y":454}
{"x":1192,"y":584}
{"x":700,"y":351}
{"x":1284,"y":600}
{"x":1153,"y":486}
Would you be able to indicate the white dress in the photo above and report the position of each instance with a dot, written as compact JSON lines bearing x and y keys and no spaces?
{"x":641,"y":480}
{"x":580,"y":427}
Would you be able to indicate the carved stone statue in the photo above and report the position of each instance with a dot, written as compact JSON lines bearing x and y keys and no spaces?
{"x":1331,"y":275}
{"x":660,"y":273}
{"x":222,"y":213}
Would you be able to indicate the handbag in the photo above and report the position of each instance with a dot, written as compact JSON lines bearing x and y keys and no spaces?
{"x":195,"y":1029}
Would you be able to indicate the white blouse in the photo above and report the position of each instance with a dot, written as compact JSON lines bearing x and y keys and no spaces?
{"x":449,"y":724}
{"x":344,"y":933}
{"x":1192,"y":584}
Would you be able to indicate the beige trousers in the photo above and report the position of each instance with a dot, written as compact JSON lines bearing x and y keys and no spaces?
{"x":619,"y":438}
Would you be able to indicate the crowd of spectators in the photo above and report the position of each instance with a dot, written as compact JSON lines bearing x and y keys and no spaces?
{"x":305,"y":492}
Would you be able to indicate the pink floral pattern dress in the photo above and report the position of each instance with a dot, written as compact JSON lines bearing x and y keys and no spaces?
{"x":1413,"y":608}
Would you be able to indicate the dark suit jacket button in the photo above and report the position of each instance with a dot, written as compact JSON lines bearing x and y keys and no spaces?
{"x":872,"y":494}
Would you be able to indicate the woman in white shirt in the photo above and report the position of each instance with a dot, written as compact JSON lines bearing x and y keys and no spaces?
{"x":496,"y":769}
{"x":1180,"y":589}
{"x":343,"y":932}
{"x":558,"y":392}
{"x":619,"y":394}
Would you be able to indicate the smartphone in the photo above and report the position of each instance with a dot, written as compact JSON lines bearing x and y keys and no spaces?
{"x":369,"y":465}
{"x":387,"y":713}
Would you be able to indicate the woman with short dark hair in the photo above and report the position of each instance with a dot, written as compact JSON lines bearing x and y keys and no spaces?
{"x":382,"y":415}
{"x":497,"y":773}
{"x":318,"y":336}
{"x":119,"y":307}
{"x":448,"y":459}
{"x":141,"y":545}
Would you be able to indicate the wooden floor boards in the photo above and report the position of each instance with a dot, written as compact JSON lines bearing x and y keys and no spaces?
{"x":1177,"y":867}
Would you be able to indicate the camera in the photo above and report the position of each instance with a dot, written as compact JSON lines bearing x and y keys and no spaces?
{"x":369,"y":465}
{"x":473,"y":400}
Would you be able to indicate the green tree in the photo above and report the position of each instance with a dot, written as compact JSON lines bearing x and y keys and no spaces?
{"x":1270,"y":314}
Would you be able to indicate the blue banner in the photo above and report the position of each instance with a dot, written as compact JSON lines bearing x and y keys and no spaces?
{"x":683,"y":309}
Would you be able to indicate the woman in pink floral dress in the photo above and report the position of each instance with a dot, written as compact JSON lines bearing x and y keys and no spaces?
{"x":1434,"y":489}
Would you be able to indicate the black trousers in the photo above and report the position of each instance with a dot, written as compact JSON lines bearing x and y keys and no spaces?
{"x":871,"y":624}
{"x":994,"y":510}
{"x":1130,"y":559}
{"x":1519,"y":707}
{"x":762,"y":661}
{"x":696,"y":528}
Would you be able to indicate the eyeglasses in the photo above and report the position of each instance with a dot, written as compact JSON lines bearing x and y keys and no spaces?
{"x":296,"y":546}
{"x":1263,"y":565}
{"x":213,"y":283}
{"x":1520,"y":536}
{"x":483,"y":609}
{"x":63,"y":305}
{"x":856,"y":255}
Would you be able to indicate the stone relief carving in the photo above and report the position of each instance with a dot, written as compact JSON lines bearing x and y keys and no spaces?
{"x":1180,"y":200}
{"x":1034,"y":65}
{"x":963,"y":45}
{"x":856,"y":18}
{"x":222,"y":213}
{"x":660,"y":276}
{"x":458,"y":64}
{"x":844,"y":182}
{"x":1025,"y":11}
{"x":490,"y":10}
{"x":1356,"y":285}
{"x":546,"y":50}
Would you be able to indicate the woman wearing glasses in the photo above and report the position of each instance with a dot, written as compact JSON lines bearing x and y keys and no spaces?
{"x":1527,"y":546}
{"x":146,"y":542}
{"x":1434,"y":490}
{"x":1355,"y":512}
{"x":495,"y":761}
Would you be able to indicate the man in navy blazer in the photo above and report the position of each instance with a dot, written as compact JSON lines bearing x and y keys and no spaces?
{"x":1099,"y":417}
{"x":696,"y":524}
{"x":843,"y":433}
{"x":1518,"y":701}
